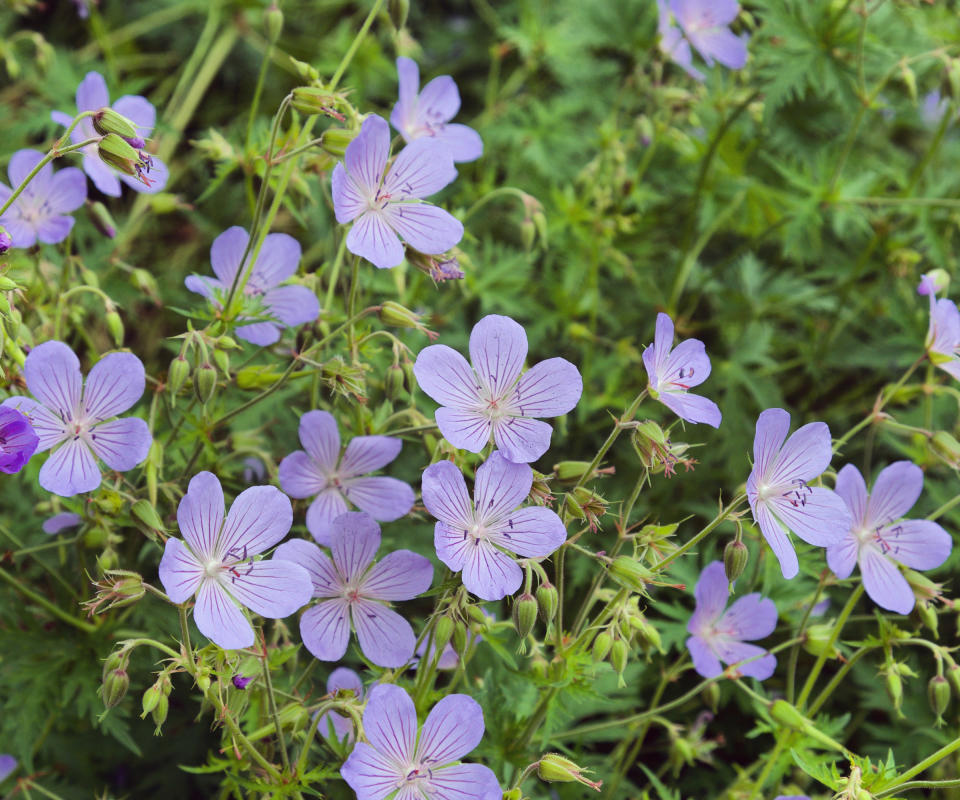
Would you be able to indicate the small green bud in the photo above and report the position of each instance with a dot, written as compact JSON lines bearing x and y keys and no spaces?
{"x":513,"y":794}
{"x":205,"y":382}
{"x":335,"y":140}
{"x":547,"y":599}
{"x":222,"y":360}
{"x":118,"y":659}
{"x":817,"y":638}
{"x":147,"y":514}
{"x":735,"y":556}
{"x":118,"y":153}
{"x":556,"y":768}
{"x":524,"y":614}
{"x":101,"y":219}
{"x":150,"y":699}
{"x":398,"y":11}
{"x":442,"y":631}
{"x":203,"y":681}
{"x":107,"y":560}
{"x":114,"y":687}
{"x":711,"y":696}
{"x":7,"y":285}
{"x":392,"y":313}
{"x":107,"y":121}
{"x":938,"y":693}
{"x":273,"y":23}
{"x":177,"y":375}
{"x":909,"y":80}
{"x":460,"y":640}
{"x":572,"y":507}
{"x":540,"y":223}
{"x":528,"y":234}
{"x":94,"y":538}
{"x":109,"y":502}
{"x":571,"y":470}
{"x":946,"y":447}
{"x":619,"y":653}
{"x":393,"y":383}
{"x":786,"y":715}
{"x":647,"y":633}
{"x":160,"y":712}
{"x":928,"y":616}
{"x":476,"y":614}
{"x":115,"y":326}
{"x":953,"y":676}
{"x":601,"y":646}
{"x":893,"y":683}
{"x":630,"y":573}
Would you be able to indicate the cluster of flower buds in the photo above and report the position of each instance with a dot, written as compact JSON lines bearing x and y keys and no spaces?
{"x":398,"y":316}
{"x":657,"y":452}
{"x":117,"y":588}
{"x":211,"y":353}
{"x":156,"y":701}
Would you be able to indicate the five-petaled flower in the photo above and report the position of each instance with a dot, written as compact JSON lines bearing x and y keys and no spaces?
{"x":320,"y":470}
{"x":277,"y":261}
{"x":215,"y":560}
{"x":17,"y":440}
{"x":719,"y":633}
{"x":778,"y":488}
{"x":878,"y":538}
{"x":429,"y":113}
{"x":401,"y":764}
{"x":41,"y":211}
{"x":705,"y":25}
{"x":72,"y":418}
{"x":477,"y":537}
{"x":672,"y":372}
{"x":333,"y":724}
{"x":943,"y":334}
{"x":492,"y":395}
{"x":382,"y":207}
{"x":92,"y":95}
{"x":353,"y":587}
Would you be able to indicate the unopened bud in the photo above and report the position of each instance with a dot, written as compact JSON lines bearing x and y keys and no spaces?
{"x":513,"y":794}
{"x":117,"y":153}
{"x":787,"y":715}
{"x":946,"y":447}
{"x":893,"y":684}
{"x":101,"y":219}
{"x":273,"y":23}
{"x":335,"y":140}
{"x":116,"y":660}
{"x":953,"y":676}
{"x":177,"y":374}
{"x":619,"y":652}
{"x":205,"y":382}
{"x":630,"y":573}
{"x":107,"y":121}
{"x":115,"y":326}
{"x":222,"y":359}
{"x":735,"y":556}
{"x":460,"y":639}
{"x":524,"y":614}
{"x":938,"y":693}
{"x":909,"y":80}
{"x":928,"y":616}
{"x":203,"y":681}
{"x":817,"y":638}
{"x":311,"y":100}
{"x":398,"y":11}
{"x":647,"y":634}
{"x":476,"y":614}
{"x":571,"y":470}
{"x":528,"y":234}
{"x":160,"y":711}
{"x":109,"y":501}
{"x":150,"y":699}
{"x":442,"y":631}
{"x":601,"y":646}
{"x":114,"y":687}
{"x":555,"y":768}
{"x":392,"y":313}
{"x":711,"y":696}
{"x":547,"y":599}
{"x":393,"y":383}
{"x":147,"y":514}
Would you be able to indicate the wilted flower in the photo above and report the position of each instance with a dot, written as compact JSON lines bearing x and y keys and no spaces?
{"x":428,"y":113}
{"x":70,"y":416}
{"x":705,"y":23}
{"x":335,"y":725}
{"x":40,"y":212}
{"x":778,"y":492}
{"x":60,"y":522}
{"x":278,"y":259}
{"x":719,"y":633}
{"x":672,"y":372}
{"x":215,"y":560}
{"x":877,"y":541}
{"x":17,"y":440}
{"x":424,"y":766}
{"x":383,"y":207}
{"x":353,"y":587}
{"x":492,"y":395}
{"x":477,"y":537}
{"x":320,"y":470}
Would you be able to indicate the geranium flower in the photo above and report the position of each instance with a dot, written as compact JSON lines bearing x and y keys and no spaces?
{"x":720,"y":633}
{"x":383,"y":207}
{"x":92,"y":95}
{"x":409,"y":763}
{"x":215,"y":560}
{"x":353,"y":587}
{"x":17,"y":440}
{"x":943,"y":334}
{"x":492,"y":395}
{"x":320,"y":470}
{"x":671,"y":373}
{"x":778,"y":492}
{"x":705,"y":23}
{"x":41,"y":211}
{"x":428,"y":113}
{"x":477,"y":538}
{"x":878,"y":541}
{"x":75,"y":420}
{"x":333,"y":724}
{"x":277,"y":261}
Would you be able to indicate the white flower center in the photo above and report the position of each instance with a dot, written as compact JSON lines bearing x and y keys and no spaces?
{"x":213,"y":568}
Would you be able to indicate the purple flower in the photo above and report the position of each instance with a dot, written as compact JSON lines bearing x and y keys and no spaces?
{"x":240,"y":681}
{"x":41,"y":211}
{"x":671,"y":373}
{"x":400,"y":763}
{"x":332,"y":724}
{"x":70,"y":417}
{"x":7,"y":765}
{"x":493,"y":395}
{"x":320,"y":470}
{"x":359,"y":590}
{"x":17,"y":440}
{"x":719,"y":633}
{"x":385,"y":207}
{"x":778,"y":492}
{"x":60,"y":522}
{"x":254,"y":470}
{"x":278,"y":260}
{"x":705,"y":23}
{"x":877,"y":541}
{"x":672,"y":43}
{"x":791,"y":797}
{"x":215,"y":560}
{"x":6,"y":241}
{"x":943,"y":334}
{"x":428,"y":113}
{"x":477,"y":537}
{"x":92,"y":95}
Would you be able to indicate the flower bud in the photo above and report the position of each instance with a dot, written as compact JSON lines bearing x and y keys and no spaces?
{"x":735,"y":556}
{"x":114,"y":687}
{"x":442,"y":631}
{"x":107,"y":560}
{"x":203,"y":681}
{"x":909,"y":80}
{"x":946,"y":447}
{"x":222,"y":359}
{"x":109,"y":502}
{"x":393,"y":383}
{"x":547,"y":599}
{"x":101,"y":219}
{"x":571,"y":470}
{"x":476,"y":614}
{"x":107,"y":121}
{"x":555,"y":768}
{"x":711,"y":696}
{"x":540,"y":223}
{"x":118,"y":153}
{"x":6,"y":241}
{"x":460,"y":640}
{"x":259,"y":377}
{"x":524,"y":614}
{"x":150,"y":699}
{"x":398,"y":11}
{"x":894,"y":686}
{"x":927,"y":614}
{"x":335,"y":140}
{"x":528,"y":234}
{"x":648,"y":635}
{"x":205,"y":382}
{"x":513,"y":794}
{"x":392,"y":313}
{"x":953,"y":676}
{"x":817,"y":638}
{"x":177,"y":375}
{"x":160,"y":711}
{"x":115,"y":326}
{"x":311,"y":100}
{"x":147,"y":514}
{"x":601,"y":646}
{"x":630,"y":573}
{"x":118,"y":659}
{"x":787,"y":715}
{"x":619,"y":652}
{"x":938,"y":693}
{"x":273,"y":23}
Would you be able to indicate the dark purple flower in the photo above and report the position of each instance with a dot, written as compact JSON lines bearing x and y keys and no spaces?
{"x":477,"y":537}
{"x":71,"y":418}
{"x":7,"y":765}
{"x":778,"y":492}
{"x":17,"y":440}
{"x":878,"y":541}
{"x":492,"y":395}
{"x":383,"y":207}
{"x":92,"y":95}
{"x":241,"y":681}
{"x":428,"y":113}
{"x":719,"y":632}
{"x":332,"y":724}
{"x":41,"y":211}
{"x":215,"y":560}
{"x":408,"y":763}
{"x":672,"y":372}
{"x":6,"y":241}
{"x":353,"y":587}
{"x":279,"y":256}
{"x":60,"y":522}
{"x":705,"y":23}
{"x":320,"y":470}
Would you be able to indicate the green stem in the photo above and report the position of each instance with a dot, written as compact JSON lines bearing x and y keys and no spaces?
{"x":618,"y":426}
{"x":42,"y":601}
{"x":352,"y":304}
{"x":348,"y":56}
{"x":185,"y":631}
{"x":795,"y":652}
{"x":721,"y":517}
{"x":272,"y":701}
{"x":905,"y":787}
{"x":928,"y":762}
{"x":55,"y":152}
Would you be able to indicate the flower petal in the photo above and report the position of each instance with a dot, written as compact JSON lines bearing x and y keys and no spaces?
{"x":804,"y":456}
{"x":772,"y":427}
{"x":447,"y":378}
{"x":155,"y":178}
{"x":842,"y":555}
{"x":348,"y":200}
{"x":390,"y":722}
{"x":121,"y":443}
{"x":104,"y":178}
{"x":367,"y":454}
{"x":114,"y":384}
{"x":52,"y":371}
{"x":894,"y":493}
{"x":384,"y":499}
{"x":498,"y":347}
{"x":711,"y":593}
{"x":705,"y":661}
{"x":292,"y":305}
{"x":453,"y":729}
{"x":917,"y":543}
{"x":853,"y":491}
{"x":50,"y":429}
{"x":445,"y":495}
{"x":226,"y":253}
{"x":425,"y":227}
{"x":372,"y":238}
{"x":278,"y":260}
{"x":722,"y":45}
{"x":139,"y":111}
{"x":275,"y":589}
{"x":21,"y":164}
{"x":354,"y":544}
{"x":53,"y":230}
{"x":371,"y":774}
{"x":299,"y":476}
{"x":180,"y":572}
{"x":262,"y":334}
{"x":548,"y":389}
{"x":401,"y":575}
{"x":200,"y":514}
{"x":220,"y":619}
{"x":532,"y":532}
{"x":421,"y":169}
{"x":325,"y":629}
{"x":884,"y":582}
{"x":692,"y":407}
{"x":71,"y":469}
{"x":500,"y":487}
{"x":259,"y":518}
{"x":463,"y":142}
{"x":687,"y":365}
{"x":366,"y":155}
{"x":328,"y":505}
{"x":488,"y":573}
{"x":92,"y":93}
{"x":385,"y":637}
{"x":452,"y":545}
{"x":60,"y":522}
{"x":522,"y":439}
{"x":777,"y":539}
{"x":732,"y":652}
{"x":750,"y":617}
{"x":408,"y":84}
{"x":320,"y":438}
{"x":323,"y":575}
{"x":465,"y":782}
{"x":439,"y":100}
{"x":820,"y":519}
{"x":68,"y":191}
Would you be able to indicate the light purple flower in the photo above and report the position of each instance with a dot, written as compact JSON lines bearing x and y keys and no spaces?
{"x":7,"y":765}
{"x":671,"y":373}
{"x":935,"y":105}
{"x":320,"y":470}
{"x":60,"y":522}
{"x":353,"y":587}
{"x":492,"y":395}
{"x":407,"y":764}
{"x":778,"y":492}
{"x":477,"y":537}
{"x":383,"y":207}
{"x":943,"y":333}
{"x":41,"y":211}
{"x":71,"y":418}
{"x":278,"y":259}
{"x":17,"y":440}
{"x":428,"y":113}
{"x":92,"y":95}
{"x":215,"y":560}
{"x":720,"y":633}
{"x":705,"y":23}
{"x":672,"y":43}
{"x":333,"y":724}
{"x":878,"y":541}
